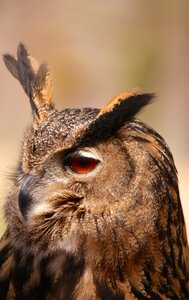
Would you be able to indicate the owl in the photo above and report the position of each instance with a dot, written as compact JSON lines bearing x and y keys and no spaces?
{"x":94,"y":211}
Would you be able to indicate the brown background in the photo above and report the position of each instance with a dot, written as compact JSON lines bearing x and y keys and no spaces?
{"x":97,"y":49}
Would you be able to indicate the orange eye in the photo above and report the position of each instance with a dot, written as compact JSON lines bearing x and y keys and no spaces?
{"x":82,"y":164}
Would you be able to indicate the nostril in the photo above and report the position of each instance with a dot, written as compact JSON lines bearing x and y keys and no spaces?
{"x":24,"y":201}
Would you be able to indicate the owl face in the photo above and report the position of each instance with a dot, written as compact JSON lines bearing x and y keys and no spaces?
{"x":71,"y":193}
{"x":88,"y":178}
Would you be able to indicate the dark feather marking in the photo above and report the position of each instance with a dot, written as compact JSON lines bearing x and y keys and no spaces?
{"x":141,"y":127}
{"x":183,"y":288}
{"x":23,"y":267}
{"x":4,"y":285}
{"x":72,"y":273}
{"x":40,"y":291}
{"x":171,"y":256}
{"x":163,"y":288}
{"x":4,"y":253}
{"x":161,"y":231}
{"x":105,"y":293}
{"x":139,"y":295}
{"x":140,"y":139}
{"x":163,"y":168}
{"x":148,"y":286}
{"x":169,"y":164}
{"x":181,"y":262}
{"x":97,"y":227}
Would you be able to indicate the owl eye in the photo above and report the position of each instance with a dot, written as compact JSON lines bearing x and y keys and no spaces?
{"x":80,"y":163}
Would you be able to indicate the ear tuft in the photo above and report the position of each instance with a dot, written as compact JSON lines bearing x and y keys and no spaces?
{"x":116,"y":112}
{"x":11,"y":64}
{"x":35,"y":80}
{"x":116,"y":101}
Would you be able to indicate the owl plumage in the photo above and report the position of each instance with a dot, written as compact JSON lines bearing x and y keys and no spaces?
{"x":94,"y":211}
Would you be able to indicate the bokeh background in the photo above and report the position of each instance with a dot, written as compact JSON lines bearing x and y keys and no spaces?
{"x":97,"y":49}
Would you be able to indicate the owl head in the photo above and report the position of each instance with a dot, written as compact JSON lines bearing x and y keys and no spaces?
{"x":93,"y":181}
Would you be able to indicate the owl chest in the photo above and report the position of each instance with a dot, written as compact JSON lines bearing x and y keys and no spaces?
{"x":69,"y":279}
{"x":73,"y":280}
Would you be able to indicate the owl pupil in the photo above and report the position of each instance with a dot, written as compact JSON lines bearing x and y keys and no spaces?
{"x":82,"y":164}
{"x":84,"y":161}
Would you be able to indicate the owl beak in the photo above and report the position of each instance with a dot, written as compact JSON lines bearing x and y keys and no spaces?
{"x":24,"y":198}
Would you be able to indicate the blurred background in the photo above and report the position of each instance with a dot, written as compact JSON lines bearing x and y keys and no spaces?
{"x":96,"y":50}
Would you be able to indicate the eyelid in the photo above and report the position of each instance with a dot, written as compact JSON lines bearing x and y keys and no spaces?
{"x":83,"y":153}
